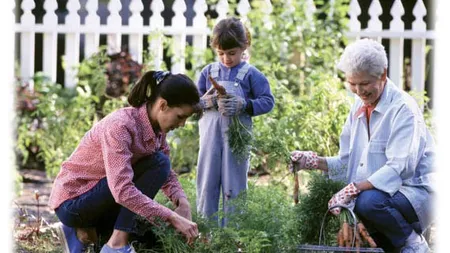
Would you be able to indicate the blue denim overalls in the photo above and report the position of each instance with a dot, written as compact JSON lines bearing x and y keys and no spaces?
{"x":217,"y":167}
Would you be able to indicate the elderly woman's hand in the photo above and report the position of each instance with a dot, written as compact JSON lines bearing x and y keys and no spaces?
{"x":344,"y":197}
{"x":303,"y":160}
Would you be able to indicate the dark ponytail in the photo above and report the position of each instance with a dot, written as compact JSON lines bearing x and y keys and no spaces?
{"x":176,"y":89}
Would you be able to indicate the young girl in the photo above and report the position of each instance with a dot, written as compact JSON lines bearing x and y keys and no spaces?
{"x":248,"y":94}
{"x":120,"y":165}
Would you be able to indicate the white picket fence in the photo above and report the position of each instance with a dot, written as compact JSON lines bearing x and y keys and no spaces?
{"x":92,"y":29}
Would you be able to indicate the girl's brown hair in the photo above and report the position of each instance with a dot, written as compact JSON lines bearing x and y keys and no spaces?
{"x":230,"y":33}
{"x":176,"y":89}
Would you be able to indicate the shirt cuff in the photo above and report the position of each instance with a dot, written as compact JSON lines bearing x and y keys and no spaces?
{"x":336,"y":169}
{"x":178,"y":195}
{"x":249,"y":108}
{"x":177,"y":201}
{"x":164,"y":214}
{"x":386,"y":179}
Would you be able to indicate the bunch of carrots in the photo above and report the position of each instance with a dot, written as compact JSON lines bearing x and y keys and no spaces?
{"x":239,"y":137}
{"x":346,"y":233}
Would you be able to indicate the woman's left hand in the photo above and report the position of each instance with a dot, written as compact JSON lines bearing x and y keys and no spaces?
{"x":184,"y":209}
{"x":343,"y":197}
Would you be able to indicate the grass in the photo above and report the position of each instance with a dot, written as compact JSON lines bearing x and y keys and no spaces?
{"x":28,"y":241}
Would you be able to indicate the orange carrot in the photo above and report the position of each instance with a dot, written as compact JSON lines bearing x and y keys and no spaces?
{"x":220,"y":89}
{"x":350,"y":235}
{"x":358,"y":241}
{"x":296,"y":186}
{"x":365,"y":235}
{"x":340,"y":238}
{"x":345,"y":229}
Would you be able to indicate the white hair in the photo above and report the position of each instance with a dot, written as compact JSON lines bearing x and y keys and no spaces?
{"x":365,"y":56}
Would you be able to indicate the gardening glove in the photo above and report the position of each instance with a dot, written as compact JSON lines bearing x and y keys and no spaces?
{"x":303,"y":160}
{"x":208,"y":101}
{"x":345,"y":197}
{"x":231,"y":105}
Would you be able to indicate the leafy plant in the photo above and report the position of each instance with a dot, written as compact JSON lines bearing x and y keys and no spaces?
{"x":240,"y":139}
{"x":312,"y":207}
{"x":261,"y":222}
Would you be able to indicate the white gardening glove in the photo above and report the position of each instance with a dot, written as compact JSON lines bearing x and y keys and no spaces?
{"x":345,"y":197}
{"x":231,"y":105}
{"x":208,"y":101}
{"x":303,"y":160}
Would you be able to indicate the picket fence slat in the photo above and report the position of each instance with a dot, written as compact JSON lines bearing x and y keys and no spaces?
{"x":222,"y":9}
{"x":179,"y":31}
{"x":396,"y":45}
{"x":135,"y":39}
{"x":27,"y":40}
{"x":179,"y":39}
{"x":92,"y":39}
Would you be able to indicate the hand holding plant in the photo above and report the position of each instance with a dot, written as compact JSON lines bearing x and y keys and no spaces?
{"x":343,"y":197}
{"x":186,"y":227}
{"x":231,"y":105}
{"x":239,"y":136}
{"x":303,"y":160}
{"x":208,"y":101}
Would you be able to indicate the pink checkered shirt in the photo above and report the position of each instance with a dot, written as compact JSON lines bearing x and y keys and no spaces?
{"x":108,"y":150}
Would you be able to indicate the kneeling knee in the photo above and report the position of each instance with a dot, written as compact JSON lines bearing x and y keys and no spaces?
{"x":366,"y":205}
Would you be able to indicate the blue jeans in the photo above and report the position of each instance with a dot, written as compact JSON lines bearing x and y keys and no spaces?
{"x":389,"y":220}
{"x":97,"y":207}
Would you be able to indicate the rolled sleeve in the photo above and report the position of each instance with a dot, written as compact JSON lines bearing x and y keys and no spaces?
{"x":386,"y":179}
{"x":336,"y":168}
{"x":172,"y":188}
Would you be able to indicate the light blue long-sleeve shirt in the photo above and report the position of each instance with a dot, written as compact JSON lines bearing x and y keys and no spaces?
{"x":397,"y":157}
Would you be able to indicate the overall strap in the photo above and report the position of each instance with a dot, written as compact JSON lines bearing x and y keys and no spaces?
{"x":242,"y":72}
{"x":214,"y":71}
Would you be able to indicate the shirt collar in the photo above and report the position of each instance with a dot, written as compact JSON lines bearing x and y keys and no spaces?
{"x":242,"y":63}
{"x":145,"y":121}
{"x":385,"y":98}
{"x":384,"y":101}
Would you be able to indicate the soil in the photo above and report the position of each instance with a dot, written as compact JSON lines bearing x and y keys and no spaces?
{"x":34,"y":180}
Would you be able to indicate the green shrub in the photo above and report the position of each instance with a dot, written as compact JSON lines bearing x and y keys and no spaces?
{"x":312,"y":207}
{"x":261,"y":222}
{"x":56,"y":126}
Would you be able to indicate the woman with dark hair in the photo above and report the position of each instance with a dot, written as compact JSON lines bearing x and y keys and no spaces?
{"x":121,"y":163}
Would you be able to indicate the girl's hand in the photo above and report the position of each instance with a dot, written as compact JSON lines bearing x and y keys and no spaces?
{"x":208,"y":101}
{"x":186,"y":227}
{"x":184,"y":208}
{"x":231,"y":105}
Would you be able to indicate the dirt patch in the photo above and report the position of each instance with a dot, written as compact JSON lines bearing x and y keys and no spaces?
{"x":35,"y":180}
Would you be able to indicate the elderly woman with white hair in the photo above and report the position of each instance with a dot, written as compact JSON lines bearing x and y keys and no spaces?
{"x":385,"y":156}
